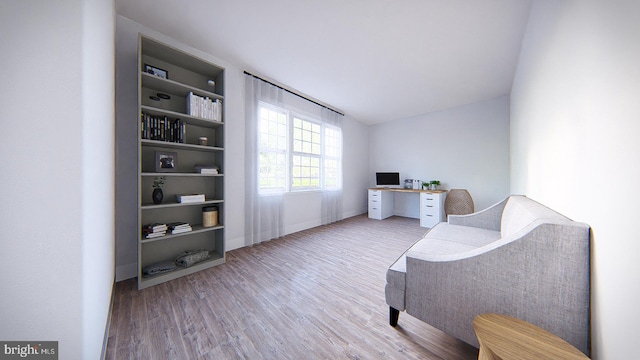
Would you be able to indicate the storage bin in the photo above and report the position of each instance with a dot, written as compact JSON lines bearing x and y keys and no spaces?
{"x":209,"y":216}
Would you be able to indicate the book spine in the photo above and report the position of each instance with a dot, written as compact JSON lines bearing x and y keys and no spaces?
{"x":166,"y":129}
{"x":190,"y":103}
{"x":147,"y":126}
{"x":183,"y":132}
{"x":161,"y":129}
{"x":155,"y":128}
{"x":172,"y":132}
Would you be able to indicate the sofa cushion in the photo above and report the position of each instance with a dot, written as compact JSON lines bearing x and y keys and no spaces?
{"x":446,"y":239}
{"x":521,"y":211}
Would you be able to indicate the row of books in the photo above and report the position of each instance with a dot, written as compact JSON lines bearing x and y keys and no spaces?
{"x":162,"y":128}
{"x":204,"y":107}
{"x":151,"y":231}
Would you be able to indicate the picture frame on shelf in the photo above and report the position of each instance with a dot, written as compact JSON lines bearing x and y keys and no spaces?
{"x":163,"y":74}
{"x":166,"y":161}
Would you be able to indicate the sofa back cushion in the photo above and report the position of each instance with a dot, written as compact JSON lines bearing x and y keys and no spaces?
{"x":521,"y":211}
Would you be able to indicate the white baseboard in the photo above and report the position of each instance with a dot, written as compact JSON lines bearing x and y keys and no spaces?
{"x":407,"y":214}
{"x":105,"y":339}
{"x":302,"y":226}
{"x":354,"y":213}
{"x":232,"y":244}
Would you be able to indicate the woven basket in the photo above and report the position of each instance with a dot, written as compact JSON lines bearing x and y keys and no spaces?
{"x":458,"y":202}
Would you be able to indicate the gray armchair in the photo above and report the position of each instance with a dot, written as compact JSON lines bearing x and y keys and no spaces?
{"x":517,"y":258}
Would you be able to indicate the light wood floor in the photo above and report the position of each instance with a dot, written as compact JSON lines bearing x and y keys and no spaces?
{"x":316,"y":294}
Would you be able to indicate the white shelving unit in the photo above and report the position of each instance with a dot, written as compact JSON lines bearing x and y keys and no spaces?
{"x":166,"y":98}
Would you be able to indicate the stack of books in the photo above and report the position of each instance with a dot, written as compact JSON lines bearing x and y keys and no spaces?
{"x":206,"y":169}
{"x":151,"y":231}
{"x":193,"y":198}
{"x":179,"y":227}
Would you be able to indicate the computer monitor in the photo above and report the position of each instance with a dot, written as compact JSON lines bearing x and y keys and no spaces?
{"x":387,"y":179}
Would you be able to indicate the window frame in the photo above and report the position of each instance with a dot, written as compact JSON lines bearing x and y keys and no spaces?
{"x":293,"y":153}
{"x":277,"y":151}
{"x":290,"y":153}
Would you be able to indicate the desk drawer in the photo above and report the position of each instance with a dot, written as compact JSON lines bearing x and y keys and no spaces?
{"x":380,"y":204}
{"x":431,"y":209}
{"x":429,"y":198}
{"x":429,"y":220}
{"x":375,"y":212}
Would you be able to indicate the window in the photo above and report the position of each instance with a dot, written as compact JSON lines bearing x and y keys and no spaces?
{"x":297,"y":153}
{"x":273,"y":150}
{"x":306,"y":155}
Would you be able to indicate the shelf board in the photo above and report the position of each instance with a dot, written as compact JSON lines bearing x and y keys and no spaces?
{"x":196,"y":230}
{"x":179,"y":58}
{"x":176,"y":204}
{"x":180,"y":174}
{"x":173,"y":145}
{"x":174,"y":87}
{"x":192,"y":120}
{"x":147,"y":281}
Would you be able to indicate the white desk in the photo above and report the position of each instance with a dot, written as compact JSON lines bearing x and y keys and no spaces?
{"x":431,"y":204}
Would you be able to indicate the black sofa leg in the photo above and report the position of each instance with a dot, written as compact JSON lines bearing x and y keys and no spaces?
{"x":393,"y":316}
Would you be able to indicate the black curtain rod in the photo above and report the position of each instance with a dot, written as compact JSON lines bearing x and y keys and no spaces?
{"x":291,"y":92}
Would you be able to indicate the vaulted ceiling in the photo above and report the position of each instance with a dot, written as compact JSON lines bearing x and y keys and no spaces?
{"x":376,"y":60}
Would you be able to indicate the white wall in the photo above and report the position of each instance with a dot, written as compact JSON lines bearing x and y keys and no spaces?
{"x":465,"y":147}
{"x":98,"y":166}
{"x":302,"y":210}
{"x":57,"y":143}
{"x":355,"y":167}
{"x":574,"y":134}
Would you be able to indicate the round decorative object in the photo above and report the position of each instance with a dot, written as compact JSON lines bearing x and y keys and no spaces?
{"x":157,"y":196}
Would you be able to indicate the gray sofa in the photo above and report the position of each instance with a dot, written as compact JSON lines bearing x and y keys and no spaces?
{"x":516,"y":257}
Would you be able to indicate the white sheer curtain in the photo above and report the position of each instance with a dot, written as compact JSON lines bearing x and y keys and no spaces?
{"x":264,"y":215}
{"x":332,"y":198}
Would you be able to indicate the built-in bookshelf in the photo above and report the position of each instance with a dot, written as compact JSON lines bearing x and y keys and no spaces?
{"x":181,"y":151}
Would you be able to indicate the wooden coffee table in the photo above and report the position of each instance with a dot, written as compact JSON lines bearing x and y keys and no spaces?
{"x":504,"y":337}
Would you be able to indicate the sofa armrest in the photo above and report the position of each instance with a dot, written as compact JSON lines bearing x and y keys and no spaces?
{"x":488,"y":218}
